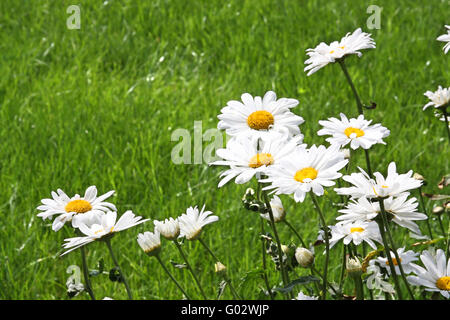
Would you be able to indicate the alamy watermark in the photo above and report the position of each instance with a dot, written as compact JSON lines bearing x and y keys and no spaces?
{"x":374,"y":21}
{"x":74,"y":20}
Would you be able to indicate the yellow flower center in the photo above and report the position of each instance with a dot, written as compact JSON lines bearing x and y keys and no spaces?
{"x":78,"y":206}
{"x":356,"y":229}
{"x":332,"y":51}
{"x":260,"y":120}
{"x":305,"y":173}
{"x":350,"y":130}
{"x":261,"y":159}
{"x":394,"y":261}
{"x":443,"y":283}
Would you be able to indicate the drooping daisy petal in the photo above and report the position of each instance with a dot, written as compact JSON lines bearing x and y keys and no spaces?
{"x":193,"y":221}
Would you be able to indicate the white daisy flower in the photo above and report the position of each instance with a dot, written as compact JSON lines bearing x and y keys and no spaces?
{"x":436,"y":274}
{"x":445,"y":38}
{"x":106,"y":228}
{"x":192,"y":222}
{"x":248,"y":156}
{"x":393,"y":185}
{"x":257,"y":117}
{"x":150,"y":242}
{"x":76,"y":209}
{"x":169,"y":228}
{"x":358,"y":132}
{"x":406,"y":259}
{"x":403,"y":211}
{"x":439,"y":98}
{"x":356,"y":232}
{"x":277,"y":210}
{"x":376,"y":280}
{"x":306,"y":170}
{"x":324,"y":54}
{"x":302,"y":296}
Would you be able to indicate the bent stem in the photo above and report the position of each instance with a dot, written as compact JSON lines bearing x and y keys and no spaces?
{"x":86,"y":273}
{"x":327,"y":244}
{"x":108,"y":244}
{"x":171,"y":276}
{"x":359,"y":105}
{"x":190,"y":268}
{"x":227,"y":279}
{"x":394,"y":248}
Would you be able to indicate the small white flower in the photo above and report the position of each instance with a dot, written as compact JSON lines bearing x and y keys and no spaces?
{"x":249,"y":156}
{"x":356,"y":232}
{"x":445,"y":38}
{"x":304,"y":257}
{"x":306,"y":170}
{"x":439,"y":98}
{"x":258,"y":116}
{"x":106,"y":227}
{"x":376,"y":280}
{"x":436,"y":274}
{"x":405,"y":260}
{"x":169,"y":228}
{"x":324,"y":54}
{"x":358,"y":132}
{"x":192,"y":222}
{"x":76,"y":209}
{"x":277,"y":210}
{"x":302,"y":296}
{"x":393,"y":185}
{"x":150,"y":242}
{"x":403,"y":210}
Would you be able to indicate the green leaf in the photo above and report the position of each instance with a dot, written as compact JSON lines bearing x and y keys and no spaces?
{"x":300,"y":281}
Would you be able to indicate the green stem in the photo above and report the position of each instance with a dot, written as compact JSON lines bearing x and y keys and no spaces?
{"x":369,"y":168}
{"x":263,"y":249}
{"x":277,"y":239}
{"x":359,"y":105}
{"x":327,"y":244}
{"x":394,"y":248}
{"x":108,"y":244}
{"x":86,"y":274}
{"x":190,"y":268}
{"x":359,"y":287}
{"x":320,"y":275}
{"x":444,"y":234}
{"x":444,"y":110}
{"x":295,"y":232}
{"x":344,"y":256}
{"x":426,"y":213}
{"x":171,"y":277}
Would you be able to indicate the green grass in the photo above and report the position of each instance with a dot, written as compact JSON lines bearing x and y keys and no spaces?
{"x":97,"y":106}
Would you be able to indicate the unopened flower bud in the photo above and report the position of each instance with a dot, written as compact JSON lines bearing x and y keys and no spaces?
{"x":418,"y":176}
{"x":354,"y":267}
{"x":346,"y":153}
{"x":220,"y":268}
{"x":438,"y":210}
{"x":285,"y":249}
{"x":304,"y":257}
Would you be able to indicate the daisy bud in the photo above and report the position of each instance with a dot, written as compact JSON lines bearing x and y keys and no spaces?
{"x":169,"y":228}
{"x":438,"y":210}
{"x":354,"y":268}
{"x":220,"y":268}
{"x":150,"y":242}
{"x":346,"y":153}
{"x":277,"y":210}
{"x":419,"y":177}
{"x":304,"y":257}
{"x":285,"y":249}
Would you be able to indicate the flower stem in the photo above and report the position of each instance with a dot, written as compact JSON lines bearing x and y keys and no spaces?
{"x":190,"y":268}
{"x":425,"y":211}
{"x":359,"y":287}
{"x":350,"y":82}
{"x":108,"y":244}
{"x":171,"y":276}
{"x":86,"y":273}
{"x":277,"y":239}
{"x":344,"y":255}
{"x":327,"y":244}
{"x":295,"y":232}
{"x":444,"y":110}
{"x":394,"y":248}
{"x":227,"y":279}
{"x":263,"y":249}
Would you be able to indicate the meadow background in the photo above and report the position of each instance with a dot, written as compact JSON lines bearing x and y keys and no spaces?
{"x":97,"y":106}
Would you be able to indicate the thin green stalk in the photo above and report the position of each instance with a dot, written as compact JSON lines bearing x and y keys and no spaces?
{"x":227,"y":279}
{"x":171,"y":277}
{"x":320,"y":275}
{"x":263,"y":249}
{"x":277,"y":239}
{"x":86,"y":274}
{"x":190,"y":268}
{"x":394,"y":248}
{"x":444,"y":234}
{"x":380,"y":222}
{"x":327,"y":244}
{"x":108,"y":244}
{"x":364,"y":255}
{"x":359,"y":287}
{"x":359,"y":105}
{"x":424,"y":208}
{"x":295,"y":232}
{"x":344,"y":256}
{"x":444,"y":111}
